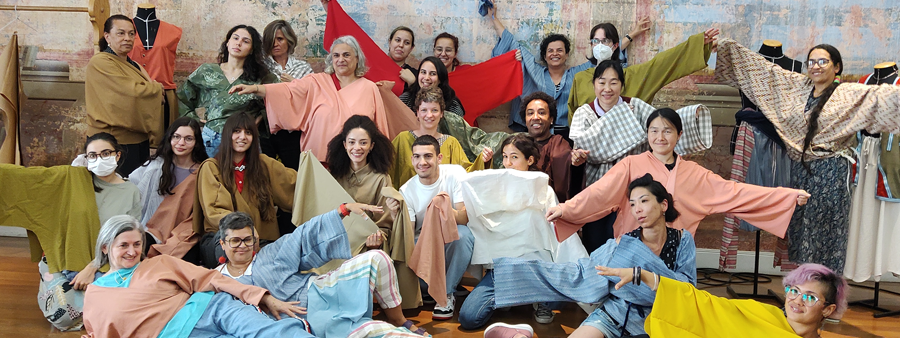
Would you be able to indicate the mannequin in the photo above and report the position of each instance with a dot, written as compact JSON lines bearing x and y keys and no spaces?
{"x":885,"y":72}
{"x":146,"y":24}
{"x":155,"y":51}
{"x":771,"y":50}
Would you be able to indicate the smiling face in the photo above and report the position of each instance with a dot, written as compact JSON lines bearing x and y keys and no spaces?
{"x":240,"y":44}
{"x":183,"y":141}
{"x":279,"y":45}
{"x":243,"y":253}
{"x":344,"y":60}
{"x":556,"y":54}
{"x":646,"y":210}
{"x":513,"y":158}
{"x":446,"y":51}
{"x":608,"y":88}
{"x":400,"y":46}
{"x":358,"y":145}
{"x":429,"y":115}
{"x":428,"y":76}
{"x":802,"y":312}
{"x":425,"y":160}
{"x":121,"y":37}
{"x":662,"y":136}
{"x":241,"y":139}
{"x":537,"y":117}
{"x":822,"y":74}
{"x":126,"y":250}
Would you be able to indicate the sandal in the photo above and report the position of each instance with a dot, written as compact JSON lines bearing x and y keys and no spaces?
{"x":420,"y":331}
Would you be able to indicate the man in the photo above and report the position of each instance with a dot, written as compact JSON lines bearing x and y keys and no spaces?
{"x":539,"y":114}
{"x":431,"y":179}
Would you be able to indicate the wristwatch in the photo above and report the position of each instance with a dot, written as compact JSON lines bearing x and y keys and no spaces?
{"x":629,"y":38}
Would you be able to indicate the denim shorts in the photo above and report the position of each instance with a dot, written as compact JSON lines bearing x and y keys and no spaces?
{"x":601,"y":321}
{"x":211,"y":140}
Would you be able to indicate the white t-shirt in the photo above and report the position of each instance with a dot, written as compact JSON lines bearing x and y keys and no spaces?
{"x":418,"y":195}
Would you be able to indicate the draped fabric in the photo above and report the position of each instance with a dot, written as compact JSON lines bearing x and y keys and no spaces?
{"x":10,"y":93}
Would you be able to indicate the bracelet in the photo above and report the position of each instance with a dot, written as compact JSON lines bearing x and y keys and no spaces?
{"x":636,"y":280}
{"x":344,"y":211}
{"x":656,"y":278}
{"x":629,"y":38}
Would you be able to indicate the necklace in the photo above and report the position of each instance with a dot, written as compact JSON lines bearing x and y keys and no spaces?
{"x":773,"y":58}
{"x":239,"y":168}
{"x":147,"y":26}
{"x":886,"y":76}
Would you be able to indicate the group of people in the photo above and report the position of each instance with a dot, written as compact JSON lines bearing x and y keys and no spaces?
{"x":199,"y":236}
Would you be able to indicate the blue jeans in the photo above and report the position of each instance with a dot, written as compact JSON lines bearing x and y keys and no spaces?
{"x":479,"y":305}
{"x":211,"y":140}
{"x":457,"y":256}
{"x":226,"y":316}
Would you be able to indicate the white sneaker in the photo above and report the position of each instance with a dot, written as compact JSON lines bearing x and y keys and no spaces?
{"x":504,"y":330}
{"x":444,"y":313}
{"x":543,"y":314}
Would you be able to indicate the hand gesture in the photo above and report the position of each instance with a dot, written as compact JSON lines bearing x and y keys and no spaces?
{"x":641,"y":26}
{"x":492,"y":11}
{"x":709,"y":36}
{"x":407,"y":76}
{"x":376,"y":240}
{"x":285,"y":77}
{"x":803,"y":197}
{"x":248,"y":89}
{"x":554,"y":213}
{"x":84,"y":277}
{"x":360,"y":209}
{"x":625,"y":275}
{"x":393,"y":206}
{"x":276,"y":307}
{"x":487,"y":154}
{"x":579,"y":156}
{"x":518,"y":55}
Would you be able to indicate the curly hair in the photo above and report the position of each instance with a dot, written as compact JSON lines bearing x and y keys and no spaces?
{"x":254,"y":64}
{"x":380,"y":157}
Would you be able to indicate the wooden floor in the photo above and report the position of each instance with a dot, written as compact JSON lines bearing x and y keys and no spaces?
{"x":19,"y":316}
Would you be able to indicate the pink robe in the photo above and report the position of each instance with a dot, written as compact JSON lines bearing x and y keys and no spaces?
{"x":313,"y":105}
{"x":697,"y":192}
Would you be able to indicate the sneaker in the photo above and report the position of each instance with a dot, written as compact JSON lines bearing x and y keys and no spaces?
{"x":427,"y":299}
{"x":543,"y":314}
{"x":504,"y":330}
{"x":444,"y":313}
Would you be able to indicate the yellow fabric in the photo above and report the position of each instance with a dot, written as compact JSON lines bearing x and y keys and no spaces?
{"x":453,"y":153}
{"x":121,"y":101}
{"x":680,"y":310}
{"x":57,"y":204}
{"x":10,"y":92}
{"x":644,"y":80}
{"x":213,"y":201}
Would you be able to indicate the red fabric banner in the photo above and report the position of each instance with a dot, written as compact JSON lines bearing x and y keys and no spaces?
{"x":487,"y":85}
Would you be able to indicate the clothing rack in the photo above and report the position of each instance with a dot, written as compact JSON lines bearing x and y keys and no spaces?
{"x":97,"y":10}
{"x":873,"y":303}
{"x":772,"y":295}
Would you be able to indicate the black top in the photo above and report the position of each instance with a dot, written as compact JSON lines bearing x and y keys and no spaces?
{"x":413,"y":70}
{"x":147,"y":25}
{"x":672,"y":166}
{"x":109,"y":50}
{"x":669,"y":250}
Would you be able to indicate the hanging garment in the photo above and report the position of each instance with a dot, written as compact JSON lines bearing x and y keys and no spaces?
{"x":10,"y":92}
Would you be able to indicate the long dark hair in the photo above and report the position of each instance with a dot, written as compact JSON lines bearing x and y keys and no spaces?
{"x":611,"y":33}
{"x":525,"y":144}
{"x":658,"y":190}
{"x":107,"y":27}
{"x":254,"y":65}
{"x":256,"y":175}
{"x":198,"y":154}
{"x":380,"y":158}
{"x":813,"y":127}
{"x":455,"y":45}
{"x":104,"y":136}
{"x":443,"y":80}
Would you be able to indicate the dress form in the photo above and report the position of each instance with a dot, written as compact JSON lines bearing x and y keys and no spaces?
{"x":147,"y":25}
{"x":772,"y":51}
{"x":885,"y":72}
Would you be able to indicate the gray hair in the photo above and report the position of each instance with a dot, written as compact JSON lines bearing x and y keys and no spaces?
{"x":348,"y":40}
{"x":114,"y":227}
{"x":234,"y":221}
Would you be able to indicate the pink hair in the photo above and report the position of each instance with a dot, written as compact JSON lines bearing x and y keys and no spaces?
{"x":835,"y":285}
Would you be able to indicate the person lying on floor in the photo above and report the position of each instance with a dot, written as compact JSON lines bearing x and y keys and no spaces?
{"x":339,"y":303}
{"x":812,"y":293}
{"x":616,"y":276}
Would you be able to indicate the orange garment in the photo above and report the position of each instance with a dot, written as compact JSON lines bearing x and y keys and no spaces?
{"x":160,"y":286}
{"x":427,"y":260}
{"x":313,"y":105}
{"x":172,"y":222}
{"x":697,"y":193}
{"x":159,"y":60}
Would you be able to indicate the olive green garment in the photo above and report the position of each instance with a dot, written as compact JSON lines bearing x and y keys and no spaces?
{"x":208,"y":87}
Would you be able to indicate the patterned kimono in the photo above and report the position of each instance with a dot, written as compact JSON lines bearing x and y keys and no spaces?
{"x":208,"y":87}
{"x":622,"y":131}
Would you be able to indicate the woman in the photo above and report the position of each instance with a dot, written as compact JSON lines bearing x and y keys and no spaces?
{"x":319,"y":104}
{"x":239,"y":178}
{"x":111,"y":77}
{"x":430,"y":110}
{"x":647,"y":78}
{"x":433,"y":74}
{"x":549,"y":74}
{"x":446,"y":46}
{"x":168,"y":297}
{"x":204,"y":94}
{"x":612,"y":127}
{"x":281,"y":267}
{"x":612,"y":276}
{"x":812,"y":294}
{"x":400,"y":45}
{"x":798,"y":106}
{"x":168,"y":183}
{"x":698,"y":191}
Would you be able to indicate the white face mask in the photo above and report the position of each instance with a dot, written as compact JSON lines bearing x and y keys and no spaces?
{"x":102,"y":167}
{"x":602,"y":52}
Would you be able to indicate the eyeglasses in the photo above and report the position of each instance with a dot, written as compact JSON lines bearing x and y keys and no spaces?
{"x":807,"y":299}
{"x":820,"y":62}
{"x":105,"y":154}
{"x":603,"y":41}
{"x":439,"y":50}
{"x":187,"y":139}
{"x":235,"y":242}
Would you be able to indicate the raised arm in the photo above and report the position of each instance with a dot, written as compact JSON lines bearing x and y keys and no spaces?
{"x":640,"y":27}
{"x":645,"y":79}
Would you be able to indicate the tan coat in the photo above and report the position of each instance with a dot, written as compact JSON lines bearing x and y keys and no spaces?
{"x":122,"y":101}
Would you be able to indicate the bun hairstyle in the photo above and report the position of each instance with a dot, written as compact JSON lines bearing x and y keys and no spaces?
{"x":107,"y":28}
{"x":656,"y":189}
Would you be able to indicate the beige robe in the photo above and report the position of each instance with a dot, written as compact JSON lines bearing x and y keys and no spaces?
{"x":122,"y":101}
